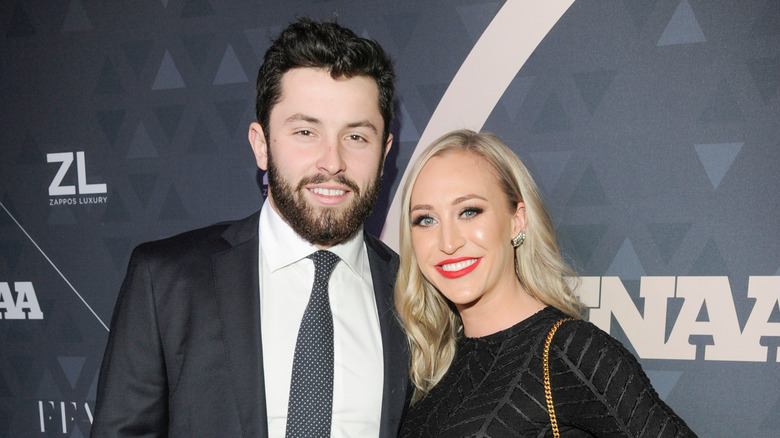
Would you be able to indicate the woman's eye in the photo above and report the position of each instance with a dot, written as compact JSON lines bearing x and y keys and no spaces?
{"x":424,"y":221}
{"x":471,"y":212}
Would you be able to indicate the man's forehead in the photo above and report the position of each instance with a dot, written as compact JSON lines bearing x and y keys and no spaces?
{"x":299,"y":88}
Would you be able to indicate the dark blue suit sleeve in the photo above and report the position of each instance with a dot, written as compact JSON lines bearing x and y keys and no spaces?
{"x":132,"y":389}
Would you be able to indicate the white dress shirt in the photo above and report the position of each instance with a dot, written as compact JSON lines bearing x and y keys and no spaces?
{"x":286,"y":278}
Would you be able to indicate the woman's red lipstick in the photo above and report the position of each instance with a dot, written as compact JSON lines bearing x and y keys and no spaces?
{"x":460,"y":272}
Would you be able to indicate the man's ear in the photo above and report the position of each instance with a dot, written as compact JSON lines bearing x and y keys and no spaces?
{"x":388,"y":145}
{"x":259,"y":145}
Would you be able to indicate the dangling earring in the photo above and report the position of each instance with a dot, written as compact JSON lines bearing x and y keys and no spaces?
{"x":519,"y":239}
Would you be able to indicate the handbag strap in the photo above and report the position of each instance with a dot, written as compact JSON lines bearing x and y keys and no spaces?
{"x":547,"y":387}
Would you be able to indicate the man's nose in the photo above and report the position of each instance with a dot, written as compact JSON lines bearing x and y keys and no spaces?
{"x":331,"y":159}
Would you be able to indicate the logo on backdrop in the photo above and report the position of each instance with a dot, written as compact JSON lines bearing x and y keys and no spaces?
{"x":82,"y":193}
{"x":23,"y":306}
{"x":707,"y":309}
{"x":64,"y":416}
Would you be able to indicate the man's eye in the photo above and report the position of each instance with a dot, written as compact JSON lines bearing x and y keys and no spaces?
{"x":355,"y":137}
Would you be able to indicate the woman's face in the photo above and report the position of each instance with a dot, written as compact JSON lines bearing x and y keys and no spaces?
{"x":461,"y":229}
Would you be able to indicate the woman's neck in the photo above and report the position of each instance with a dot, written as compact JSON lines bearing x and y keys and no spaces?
{"x":498,"y":312}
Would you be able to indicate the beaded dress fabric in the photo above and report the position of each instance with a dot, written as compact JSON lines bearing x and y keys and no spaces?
{"x":495,"y":388}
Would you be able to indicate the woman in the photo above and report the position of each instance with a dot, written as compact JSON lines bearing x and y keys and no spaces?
{"x":481,"y":284}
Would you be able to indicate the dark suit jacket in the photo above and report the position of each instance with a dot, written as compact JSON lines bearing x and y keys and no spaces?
{"x":184,"y":355}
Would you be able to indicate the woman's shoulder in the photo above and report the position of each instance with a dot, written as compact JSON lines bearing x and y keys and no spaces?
{"x":592,"y":350}
{"x":605,"y":372}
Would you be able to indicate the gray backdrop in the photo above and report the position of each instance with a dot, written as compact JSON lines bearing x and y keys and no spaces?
{"x":653,"y":128}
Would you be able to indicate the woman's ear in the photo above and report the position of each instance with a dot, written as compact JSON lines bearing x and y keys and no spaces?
{"x":519,"y":220}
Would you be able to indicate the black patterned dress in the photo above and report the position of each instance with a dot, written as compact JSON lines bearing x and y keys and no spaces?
{"x":494,"y":388}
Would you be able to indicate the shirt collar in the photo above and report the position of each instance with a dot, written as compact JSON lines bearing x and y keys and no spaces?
{"x":281,"y":246}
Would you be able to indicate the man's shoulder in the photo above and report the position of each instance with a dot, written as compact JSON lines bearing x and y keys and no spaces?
{"x":214,"y":237}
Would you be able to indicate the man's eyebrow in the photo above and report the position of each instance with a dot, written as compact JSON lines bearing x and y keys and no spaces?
{"x":311,"y":119}
{"x":302,"y":118}
{"x":363,"y":124}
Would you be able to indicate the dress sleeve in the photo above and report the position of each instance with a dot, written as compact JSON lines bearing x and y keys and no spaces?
{"x":132,"y":388}
{"x":600,"y":387}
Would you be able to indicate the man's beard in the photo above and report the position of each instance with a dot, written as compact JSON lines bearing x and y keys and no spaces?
{"x":322,"y":226}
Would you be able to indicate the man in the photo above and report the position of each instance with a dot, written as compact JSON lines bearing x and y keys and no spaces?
{"x":206,"y":326}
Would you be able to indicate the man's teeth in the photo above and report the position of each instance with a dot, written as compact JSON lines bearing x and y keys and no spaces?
{"x":458,"y":266}
{"x":328,"y":192}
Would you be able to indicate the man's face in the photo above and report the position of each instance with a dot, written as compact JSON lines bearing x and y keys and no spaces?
{"x":324,"y":153}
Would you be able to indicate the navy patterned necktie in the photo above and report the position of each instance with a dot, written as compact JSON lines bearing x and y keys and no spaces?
{"x":311,"y":390}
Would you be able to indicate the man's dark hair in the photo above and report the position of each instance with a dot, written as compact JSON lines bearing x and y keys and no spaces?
{"x":328,"y":46}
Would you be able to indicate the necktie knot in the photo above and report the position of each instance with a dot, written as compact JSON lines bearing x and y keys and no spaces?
{"x":324,"y":263}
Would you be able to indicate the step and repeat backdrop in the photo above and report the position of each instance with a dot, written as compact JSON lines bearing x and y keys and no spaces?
{"x":652,"y":127}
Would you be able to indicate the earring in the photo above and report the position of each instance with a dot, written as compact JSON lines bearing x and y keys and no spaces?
{"x":519,"y":239}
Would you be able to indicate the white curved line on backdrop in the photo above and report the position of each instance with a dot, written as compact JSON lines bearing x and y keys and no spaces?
{"x":503,"y":48}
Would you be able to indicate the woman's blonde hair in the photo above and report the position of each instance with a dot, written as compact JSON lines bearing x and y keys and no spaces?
{"x":432,"y":324}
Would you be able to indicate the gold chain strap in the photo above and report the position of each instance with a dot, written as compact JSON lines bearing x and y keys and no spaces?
{"x":547,"y":387}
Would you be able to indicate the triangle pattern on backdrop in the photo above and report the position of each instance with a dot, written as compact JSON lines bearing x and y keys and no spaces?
{"x":683,"y":28}
{"x":717,"y":158}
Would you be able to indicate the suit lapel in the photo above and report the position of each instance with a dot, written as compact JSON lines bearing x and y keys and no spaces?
{"x":384,"y":267}
{"x":238,"y":301}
